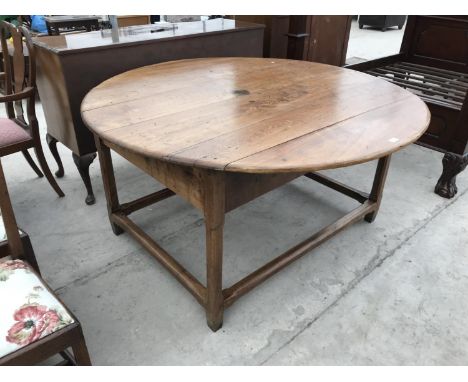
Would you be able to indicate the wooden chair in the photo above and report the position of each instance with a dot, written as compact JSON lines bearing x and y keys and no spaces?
{"x":19,"y":132}
{"x":34,"y":323}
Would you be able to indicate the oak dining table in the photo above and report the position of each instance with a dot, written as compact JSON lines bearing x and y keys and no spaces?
{"x":220,"y":132}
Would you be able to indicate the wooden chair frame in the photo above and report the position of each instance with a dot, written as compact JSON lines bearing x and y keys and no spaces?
{"x":18,"y":246}
{"x":19,"y":87}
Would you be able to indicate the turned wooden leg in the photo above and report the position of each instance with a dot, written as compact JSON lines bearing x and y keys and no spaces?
{"x":453,"y":164}
{"x":214,"y":223}
{"x":52,"y":143}
{"x":108,"y":179}
{"x":31,"y":162}
{"x":378,"y":186}
{"x":45,"y":168}
{"x":80,"y":351}
{"x":82,"y":164}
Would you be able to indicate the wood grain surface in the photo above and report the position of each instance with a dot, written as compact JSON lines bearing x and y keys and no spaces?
{"x":254,"y":115}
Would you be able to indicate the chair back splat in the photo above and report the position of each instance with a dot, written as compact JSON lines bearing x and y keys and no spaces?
{"x":19,"y":72}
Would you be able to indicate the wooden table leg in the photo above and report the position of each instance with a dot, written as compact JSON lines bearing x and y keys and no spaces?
{"x":108,"y":179}
{"x":214,"y":208}
{"x":378,"y":186}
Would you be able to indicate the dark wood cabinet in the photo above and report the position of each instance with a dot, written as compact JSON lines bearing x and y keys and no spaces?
{"x":433,"y":63}
{"x":309,"y":38}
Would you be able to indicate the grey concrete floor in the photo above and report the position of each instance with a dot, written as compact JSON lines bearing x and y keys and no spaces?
{"x":391,"y":292}
{"x":370,"y":43}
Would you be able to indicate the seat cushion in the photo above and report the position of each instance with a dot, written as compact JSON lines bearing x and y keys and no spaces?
{"x":28,"y":311}
{"x":11,"y":133}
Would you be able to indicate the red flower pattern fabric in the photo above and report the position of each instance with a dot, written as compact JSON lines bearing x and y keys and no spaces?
{"x":33,"y":322}
{"x":28,"y":310}
{"x":14,"y":264}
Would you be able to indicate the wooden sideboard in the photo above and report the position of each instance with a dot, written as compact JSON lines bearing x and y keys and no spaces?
{"x":71,"y":65}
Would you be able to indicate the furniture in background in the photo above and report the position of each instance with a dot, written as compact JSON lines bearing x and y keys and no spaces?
{"x":34,"y":323}
{"x":181,"y":18}
{"x":220,"y":132}
{"x":70,"y":66}
{"x":310,"y":38}
{"x":129,"y":20}
{"x":382,"y":22}
{"x":432,"y":63}
{"x":19,"y":132}
{"x":71,"y":23}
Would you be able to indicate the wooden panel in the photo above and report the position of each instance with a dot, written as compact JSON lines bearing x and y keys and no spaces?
{"x":351,"y":141}
{"x":129,"y":20}
{"x":275,"y":42}
{"x":218,"y":152}
{"x":242,"y":188}
{"x":438,"y":41}
{"x":55,"y":98}
{"x":68,"y":73}
{"x":329,"y":39}
{"x":184,"y":181}
{"x":253,"y":110}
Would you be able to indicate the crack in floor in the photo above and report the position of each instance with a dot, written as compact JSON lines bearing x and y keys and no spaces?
{"x":375,"y":262}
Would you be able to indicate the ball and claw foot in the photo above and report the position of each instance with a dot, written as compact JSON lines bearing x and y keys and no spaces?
{"x":452,"y":165}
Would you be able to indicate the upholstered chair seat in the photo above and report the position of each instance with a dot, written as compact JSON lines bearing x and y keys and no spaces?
{"x":29,"y":310}
{"x":11,"y":133}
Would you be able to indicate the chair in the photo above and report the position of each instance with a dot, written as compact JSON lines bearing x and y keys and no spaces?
{"x":19,"y":132}
{"x":34,"y":323}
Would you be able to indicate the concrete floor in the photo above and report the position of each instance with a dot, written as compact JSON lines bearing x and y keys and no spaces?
{"x":391,"y":292}
{"x":370,"y":43}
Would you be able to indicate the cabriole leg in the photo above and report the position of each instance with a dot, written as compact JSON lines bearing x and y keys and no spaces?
{"x":82,"y":164}
{"x":52,"y":143}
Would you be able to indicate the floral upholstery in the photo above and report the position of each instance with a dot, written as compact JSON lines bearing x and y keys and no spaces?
{"x":28,"y":311}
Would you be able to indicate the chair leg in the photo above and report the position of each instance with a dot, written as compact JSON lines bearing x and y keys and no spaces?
{"x":52,"y":143}
{"x":45,"y":168}
{"x":31,"y":162}
{"x":80,"y":351}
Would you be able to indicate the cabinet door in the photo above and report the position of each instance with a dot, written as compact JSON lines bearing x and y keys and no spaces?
{"x":329,"y":39}
{"x":275,"y":42}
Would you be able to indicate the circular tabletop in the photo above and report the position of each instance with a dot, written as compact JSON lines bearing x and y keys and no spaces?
{"x":256,"y":115}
